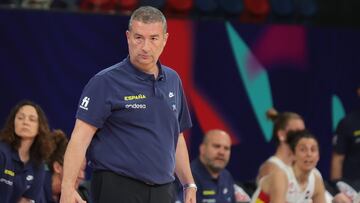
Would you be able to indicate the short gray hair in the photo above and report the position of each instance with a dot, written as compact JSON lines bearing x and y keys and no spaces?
{"x":148,"y":14}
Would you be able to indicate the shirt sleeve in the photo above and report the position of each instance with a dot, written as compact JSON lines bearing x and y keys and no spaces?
{"x":35,"y":190}
{"x":94,"y":105}
{"x":341,"y":138}
{"x":184,"y":117}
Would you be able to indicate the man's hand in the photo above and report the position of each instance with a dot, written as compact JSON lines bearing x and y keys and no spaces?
{"x":70,"y":195}
{"x":190,"y":195}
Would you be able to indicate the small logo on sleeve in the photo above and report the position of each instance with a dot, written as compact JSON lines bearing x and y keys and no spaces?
{"x":84,"y":103}
{"x":171,"y":94}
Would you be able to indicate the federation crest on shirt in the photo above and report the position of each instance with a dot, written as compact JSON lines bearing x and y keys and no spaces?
{"x":84,"y":103}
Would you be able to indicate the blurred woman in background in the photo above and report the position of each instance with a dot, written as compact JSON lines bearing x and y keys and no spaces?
{"x":283,"y":123}
{"x":24,"y":145}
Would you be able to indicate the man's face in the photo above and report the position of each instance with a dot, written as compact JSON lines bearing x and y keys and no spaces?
{"x":146,"y":42}
{"x":216,"y":152}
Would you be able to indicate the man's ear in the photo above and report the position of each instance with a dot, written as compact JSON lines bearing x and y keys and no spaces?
{"x":202,"y":149}
{"x":57,"y":167}
{"x":166,"y":36}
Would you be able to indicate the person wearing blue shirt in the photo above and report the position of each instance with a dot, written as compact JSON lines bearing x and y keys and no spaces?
{"x":215,"y":183}
{"x":24,"y":145}
{"x":130,"y":124}
{"x":345,"y":162}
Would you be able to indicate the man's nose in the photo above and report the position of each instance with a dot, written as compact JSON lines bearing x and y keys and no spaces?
{"x":222,"y":151}
{"x":309,"y":153}
{"x":146,"y":46}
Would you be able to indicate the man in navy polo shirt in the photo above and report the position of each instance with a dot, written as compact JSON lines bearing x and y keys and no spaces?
{"x":345,"y":163}
{"x":130,"y":120}
{"x":215,"y":183}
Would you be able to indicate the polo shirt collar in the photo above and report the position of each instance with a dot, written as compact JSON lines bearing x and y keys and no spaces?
{"x":144,"y":76}
{"x":205,"y":172}
{"x":15,"y":156}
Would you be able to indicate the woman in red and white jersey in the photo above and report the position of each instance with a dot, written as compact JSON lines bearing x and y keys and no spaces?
{"x":298,"y":183}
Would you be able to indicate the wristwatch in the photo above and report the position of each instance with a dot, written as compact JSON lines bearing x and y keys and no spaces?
{"x":189,"y":185}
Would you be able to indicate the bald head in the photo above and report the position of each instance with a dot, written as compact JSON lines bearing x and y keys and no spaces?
{"x":215,"y":151}
{"x":216,"y":134}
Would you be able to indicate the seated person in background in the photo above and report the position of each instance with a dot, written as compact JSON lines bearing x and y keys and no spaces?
{"x":54,"y":173}
{"x":283,"y":122}
{"x":298,"y":183}
{"x":215,"y":183}
{"x":345,"y":163}
{"x":24,"y":146}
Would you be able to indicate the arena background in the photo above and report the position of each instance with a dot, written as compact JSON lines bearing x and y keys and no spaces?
{"x":232,"y":73}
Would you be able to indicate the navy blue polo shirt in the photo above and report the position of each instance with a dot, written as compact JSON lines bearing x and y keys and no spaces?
{"x":18,"y":179}
{"x":138,"y":118}
{"x":347,"y":142}
{"x":210,"y":190}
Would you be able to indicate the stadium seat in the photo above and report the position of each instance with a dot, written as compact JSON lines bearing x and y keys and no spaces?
{"x":255,"y":11}
{"x":183,"y":6}
{"x":154,"y":3}
{"x":127,"y":5}
{"x":306,"y":8}
{"x":282,"y":8}
{"x":232,"y":7}
{"x":206,"y":6}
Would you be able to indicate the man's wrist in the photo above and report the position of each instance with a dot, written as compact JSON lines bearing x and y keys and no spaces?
{"x":189,"y":186}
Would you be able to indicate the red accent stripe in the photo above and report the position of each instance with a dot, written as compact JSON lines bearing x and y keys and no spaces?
{"x":178,"y":54}
{"x":264,"y":197}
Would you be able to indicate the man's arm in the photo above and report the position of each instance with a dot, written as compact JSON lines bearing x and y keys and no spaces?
{"x":74,"y":157}
{"x":183,"y":171}
{"x":336,"y":166}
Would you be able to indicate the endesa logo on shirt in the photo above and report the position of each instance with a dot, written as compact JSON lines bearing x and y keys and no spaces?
{"x":135,"y":106}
